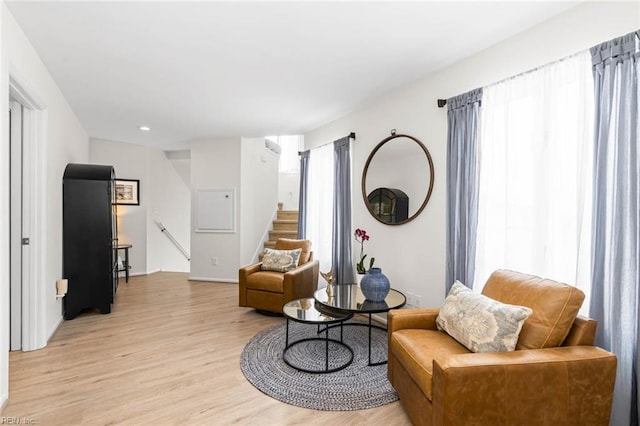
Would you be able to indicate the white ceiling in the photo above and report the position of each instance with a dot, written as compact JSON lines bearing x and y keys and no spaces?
{"x":209,"y":69}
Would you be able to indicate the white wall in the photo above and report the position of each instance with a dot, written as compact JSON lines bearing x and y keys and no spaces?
{"x":163,"y":196}
{"x":259,"y":196}
{"x":64,"y":141}
{"x":289,"y":190}
{"x":413,"y":255}
{"x":170,"y":204}
{"x":215,"y":164}
{"x":129,"y":162}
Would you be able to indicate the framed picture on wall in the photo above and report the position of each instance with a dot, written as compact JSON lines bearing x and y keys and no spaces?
{"x":128,"y":192}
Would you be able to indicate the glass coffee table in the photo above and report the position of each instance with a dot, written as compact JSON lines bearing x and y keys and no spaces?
{"x":305,"y":311}
{"x":348,"y":299}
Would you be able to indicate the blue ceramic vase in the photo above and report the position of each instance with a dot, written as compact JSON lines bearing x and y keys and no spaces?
{"x":375,"y":285}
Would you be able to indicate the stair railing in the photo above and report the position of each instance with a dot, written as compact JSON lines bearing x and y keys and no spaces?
{"x":166,"y":232}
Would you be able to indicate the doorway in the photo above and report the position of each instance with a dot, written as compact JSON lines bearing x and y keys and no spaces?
{"x":27,"y":218}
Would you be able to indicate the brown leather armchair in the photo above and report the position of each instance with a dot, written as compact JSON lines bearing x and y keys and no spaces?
{"x":270,"y":290}
{"x":554,"y":377}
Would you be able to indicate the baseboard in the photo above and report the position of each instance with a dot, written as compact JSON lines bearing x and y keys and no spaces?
{"x":138,"y":274}
{"x":55,"y":329}
{"x":214,"y":280}
{"x":379,"y":317}
{"x":4,"y":399}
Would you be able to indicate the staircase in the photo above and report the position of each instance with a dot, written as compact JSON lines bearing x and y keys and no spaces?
{"x":284,"y":226}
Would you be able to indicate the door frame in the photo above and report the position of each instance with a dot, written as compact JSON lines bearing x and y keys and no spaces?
{"x":19,"y":266}
{"x":34,"y":213}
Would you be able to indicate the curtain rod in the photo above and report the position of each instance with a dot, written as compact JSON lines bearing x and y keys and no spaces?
{"x":352,"y":135}
{"x":443,"y":102}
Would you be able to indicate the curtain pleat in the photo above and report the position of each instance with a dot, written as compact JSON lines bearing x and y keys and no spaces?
{"x":462,"y":186}
{"x":615,"y":273}
{"x":341,"y":236}
{"x":302,"y":199}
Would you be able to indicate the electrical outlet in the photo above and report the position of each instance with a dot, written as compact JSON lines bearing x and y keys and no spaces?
{"x":418,"y":300}
{"x":214,"y":261}
{"x":410,"y":299}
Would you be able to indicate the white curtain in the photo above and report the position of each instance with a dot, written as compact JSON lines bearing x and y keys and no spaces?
{"x":320,"y":204}
{"x":536,"y":143}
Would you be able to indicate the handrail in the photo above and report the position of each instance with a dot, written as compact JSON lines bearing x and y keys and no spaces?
{"x":173,"y":240}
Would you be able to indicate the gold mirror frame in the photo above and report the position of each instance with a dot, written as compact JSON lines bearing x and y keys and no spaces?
{"x":366,"y":169}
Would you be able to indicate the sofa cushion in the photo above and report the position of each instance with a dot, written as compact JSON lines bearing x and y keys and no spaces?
{"x":416,"y":349}
{"x":266,"y":281}
{"x":555,"y":306}
{"x":479,"y":323}
{"x":290,"y":244}
{"x":280,"y":260}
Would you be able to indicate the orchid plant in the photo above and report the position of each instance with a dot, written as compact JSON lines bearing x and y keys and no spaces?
{"x":361,"y":237}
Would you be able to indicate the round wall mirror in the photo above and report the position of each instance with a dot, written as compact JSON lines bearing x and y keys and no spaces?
{"x":397,"y":179}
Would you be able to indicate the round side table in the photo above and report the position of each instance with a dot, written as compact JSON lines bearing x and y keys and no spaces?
{"x":304,"y":311}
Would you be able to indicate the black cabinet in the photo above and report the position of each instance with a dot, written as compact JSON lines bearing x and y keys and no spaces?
{"x":90,"y":238}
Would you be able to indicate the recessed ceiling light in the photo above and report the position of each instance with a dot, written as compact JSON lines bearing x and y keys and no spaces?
{"x":144,"y":128}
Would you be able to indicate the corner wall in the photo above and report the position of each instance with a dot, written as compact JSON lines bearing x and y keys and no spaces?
{"x":170,"y":204}
{"x":215,"y":164}
{"x":129,"y":162}
{"x":413,"y":255}
{"x":259,"y":198}
{"x":163,"y":196}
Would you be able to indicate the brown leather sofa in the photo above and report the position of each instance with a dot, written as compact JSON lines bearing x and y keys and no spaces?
{"x":554,"y":377}
{"x":270,"y":290}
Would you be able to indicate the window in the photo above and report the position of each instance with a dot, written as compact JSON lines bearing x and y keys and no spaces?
{"x":289,"y":161}
{"x":320,"y":204}
{"x":535,"y":162}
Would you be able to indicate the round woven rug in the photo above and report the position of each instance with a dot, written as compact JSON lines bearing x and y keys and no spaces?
{"x":357,"y":387}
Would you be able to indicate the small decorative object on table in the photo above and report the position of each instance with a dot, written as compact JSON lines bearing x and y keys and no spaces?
{"x":329,"y":278}
{"x":375,"y":285}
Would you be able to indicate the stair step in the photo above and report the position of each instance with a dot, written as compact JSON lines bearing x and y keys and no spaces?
{"x":274,"y":235}
{"x":287,"y":215}
{"x":285,"y":225}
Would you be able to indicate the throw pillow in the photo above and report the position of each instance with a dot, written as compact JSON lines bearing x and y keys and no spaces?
{"x":280,"y":260}
{"x":479,"y":323}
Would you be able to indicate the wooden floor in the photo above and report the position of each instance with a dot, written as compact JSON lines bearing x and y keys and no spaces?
{"x":168,"y":354}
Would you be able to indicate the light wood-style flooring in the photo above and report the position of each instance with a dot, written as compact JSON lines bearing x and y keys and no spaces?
{"x":168,"y":354}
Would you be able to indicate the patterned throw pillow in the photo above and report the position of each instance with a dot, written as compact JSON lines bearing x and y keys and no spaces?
{"x":479,"y":323}
{"x":280,"y":260}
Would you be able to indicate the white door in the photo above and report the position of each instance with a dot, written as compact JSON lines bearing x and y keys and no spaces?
{"x":19,"y":236}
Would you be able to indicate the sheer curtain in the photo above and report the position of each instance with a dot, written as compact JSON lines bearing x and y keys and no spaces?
{"x":319,"y":212}
{"x":616,"y":243}
{"x":535,"y":152}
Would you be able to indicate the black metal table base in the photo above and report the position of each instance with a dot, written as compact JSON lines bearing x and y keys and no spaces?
{"x":326,"y":341}
{"x":370,"y":326}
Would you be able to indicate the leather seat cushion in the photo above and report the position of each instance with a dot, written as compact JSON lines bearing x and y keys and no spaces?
{"x":555,"y":306}
{"x":289,"y":244}
{"x":266,"y":281}
{"x":416,"y":349}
